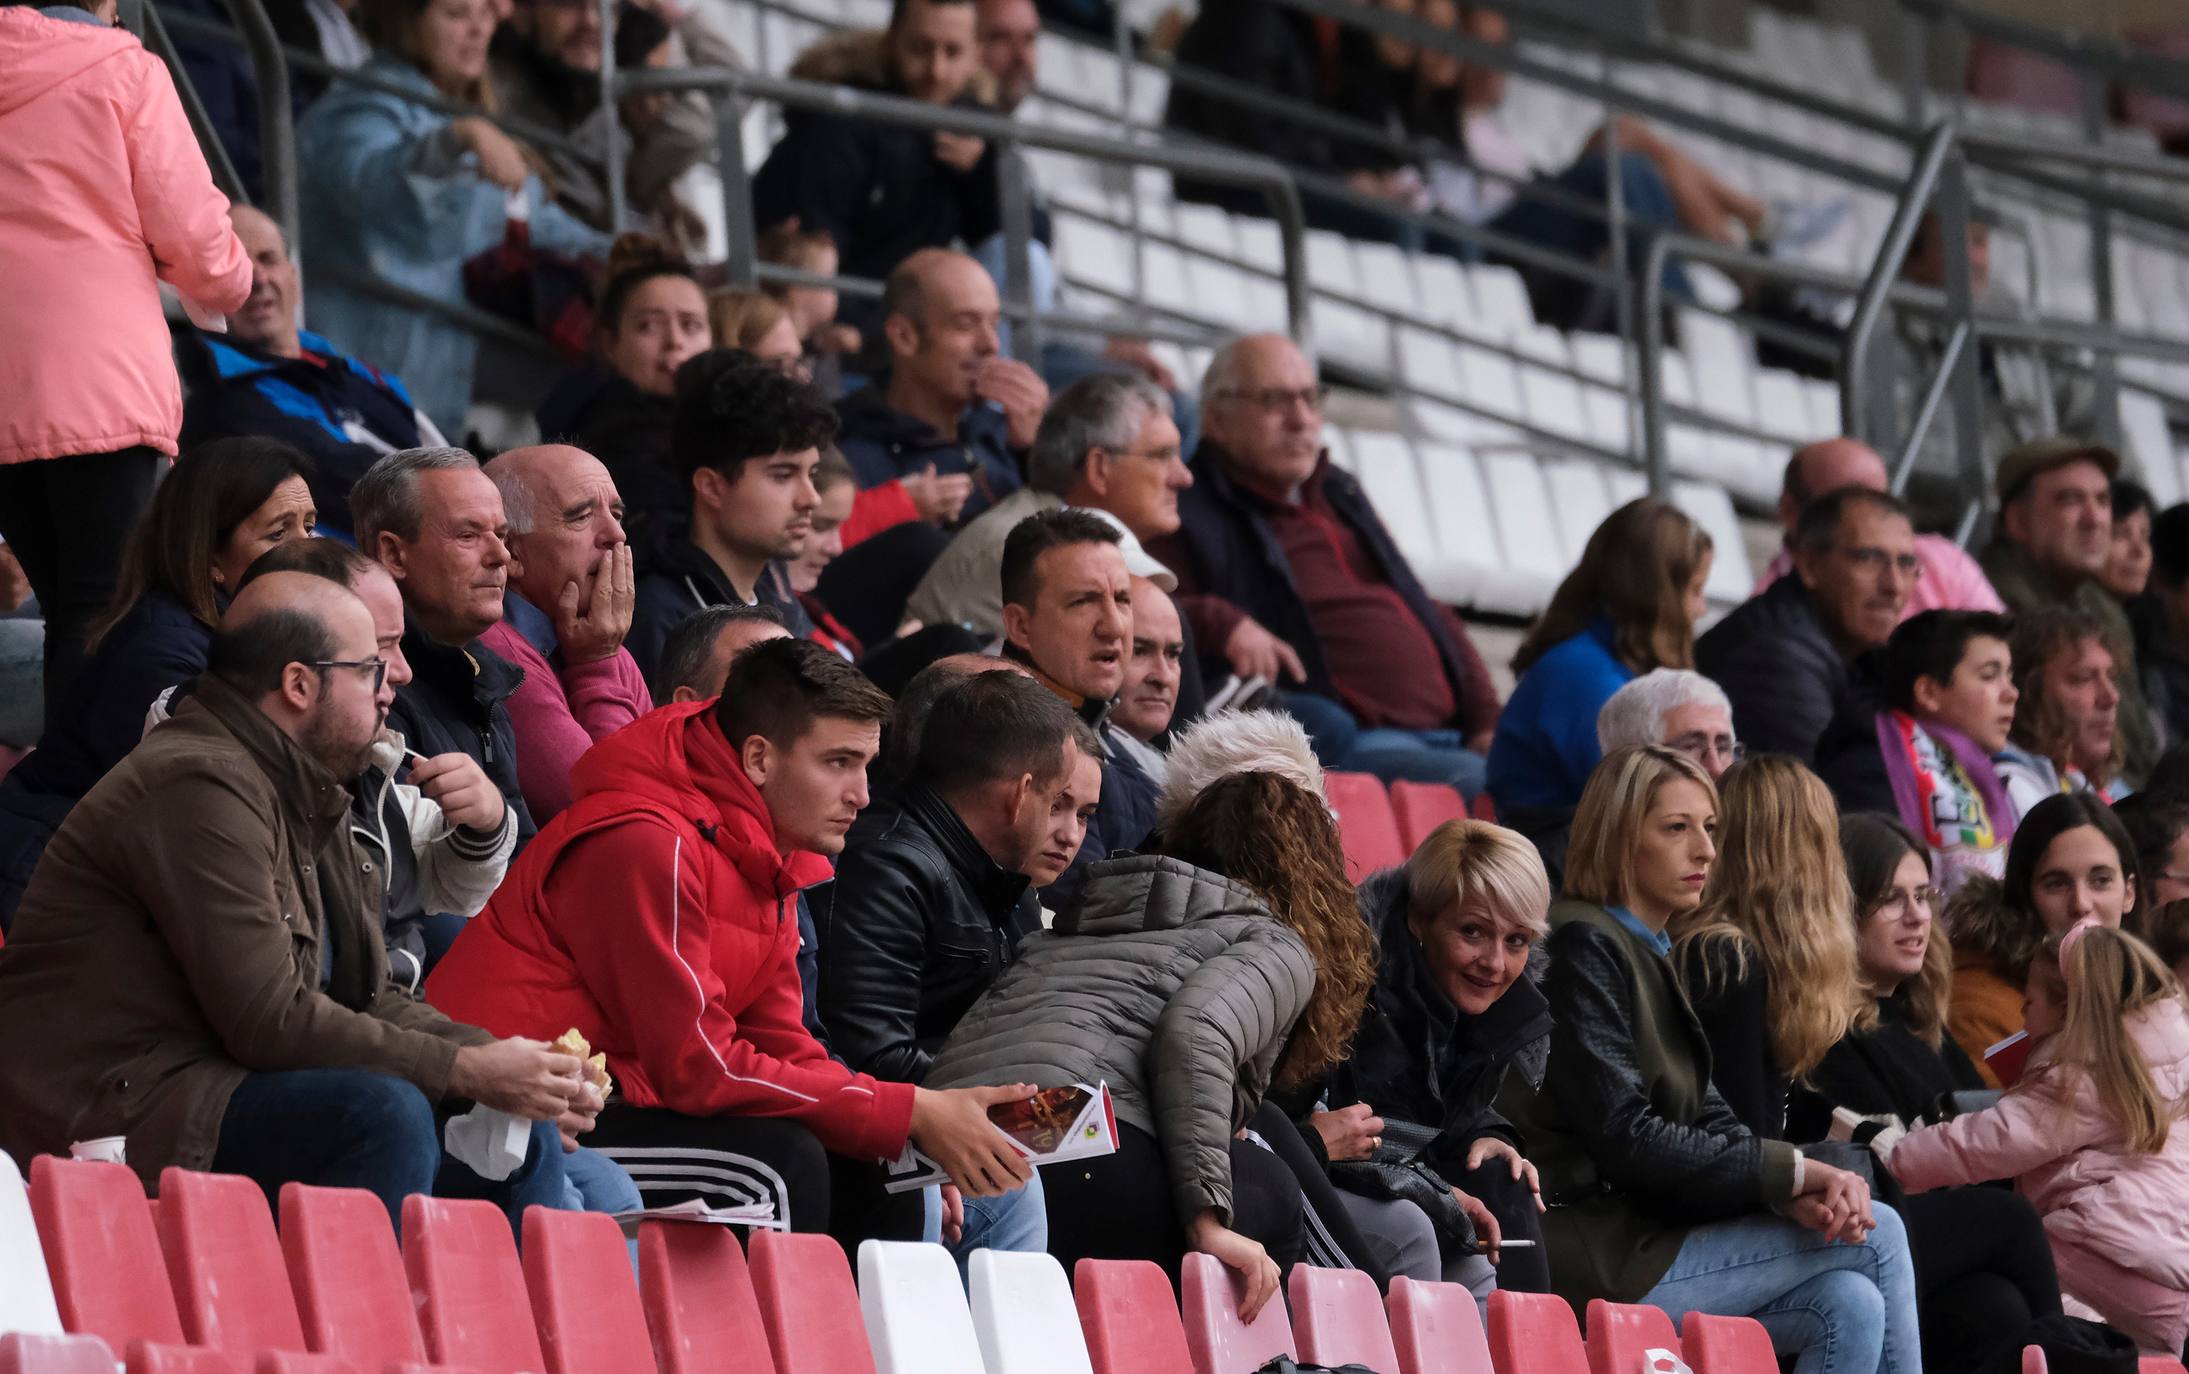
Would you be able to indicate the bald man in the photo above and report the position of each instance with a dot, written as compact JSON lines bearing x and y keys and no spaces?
{"x":199,"y":961}
{"x":266,"y":376}
{"x":564,"y":615}
{"x":1950,"y":580}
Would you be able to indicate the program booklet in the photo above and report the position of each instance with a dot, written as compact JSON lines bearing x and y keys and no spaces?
{"x":1054,"y":1125}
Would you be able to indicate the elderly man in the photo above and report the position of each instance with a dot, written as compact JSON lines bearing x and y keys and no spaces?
{"x":1149,"y":704}
{"x":434,"y":519}
{"x":1787,"y":657}
{"x":199,"y":959}
{"x":1677,"y":708}
{"x":565,"y":615}
{"x":1950,"y":580}
{"x":1274,"y":535}
{"x":2054,"y":531}
{"x":267,"y":376}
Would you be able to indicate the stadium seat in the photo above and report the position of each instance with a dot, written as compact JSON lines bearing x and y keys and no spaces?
{"x":1218,"y":1341}
{"x":914,"y":1304}
{"x":1366,"y":826}
{"x":102,"y":1252}
{"x":50,"y":1352}
{"x":1580,"y":500}
{"x":294,"y":1362}
{"x":1023,"y":1315}
{"x":584,"y":1298}
{"x":352,"y":1294}
{"x":697,"y":1294}
{"x":809,"y":1305}
{"x":472,"y":1306}
{"x":26,"y":1290}
{"x":1520,"y":504}
{"x":1727,"y":1345}
{"x":1436,"y":1328}
{"x":1423,"y":806}
{"x":1129,"y":1316}
{"x":1337,"y":1318}
{"x":157,"y":1357}
{"x":1619,"y":1333}
{"x":2158,"y":1364}
{"x":230,"y":1281}
{"x":1534,"y":1333}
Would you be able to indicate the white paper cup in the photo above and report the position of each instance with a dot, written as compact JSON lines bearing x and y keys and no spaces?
{"x":106,"y":1149}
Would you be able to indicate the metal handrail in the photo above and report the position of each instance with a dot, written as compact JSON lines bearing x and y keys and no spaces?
{"x":276,"y":120}
{"x":156,"y":40}
{"x":1870,"y":305}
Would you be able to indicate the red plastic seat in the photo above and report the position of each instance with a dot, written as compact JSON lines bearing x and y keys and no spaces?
{"x":1534,"y":1333}
{"x":1219,"y":1342}
{"x":2033,"y":1361}
{"x":2159,"y":1364}
{"x":230,"y":1280}
{"x":352,"y":1295}
{"x":1483,"y":808}
{"x":295,"y":1362}
{"x":103,"y":1253}
{"x":809,"y":1304}
{"x":1366,"y":825}
{"x":1619,"y":1332}
{"x":697,"y":1290}
{"x":472,"y":1305}
{"x":1130,"y":1318}
{"x":27,"y":1352}
{"x":155,"y":1357}
{"x":584,"y":1298}
{"x":1423,"y":806}
{"x":1727,"y":1345}
{"x":1436,"y":1328}
{"x":1337,"y":1318}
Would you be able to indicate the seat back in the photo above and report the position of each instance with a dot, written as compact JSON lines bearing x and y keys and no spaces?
{"x":225,"y":1259}
{"x":916,"y":1317}
{"x":1337,"y":1318}
{"x":1023,"y":1315}
{"x":2033,"y":1361}
{"x":102,"y":1252}
{"x":2159,"y":1364}
{"x":1423,"y":806}
{"x":292,"y":1362}
{"x":352,"y":1294}
{"x":1727,"y":1345}
{"x":1436,"y":1328}
{"x":1366,"y":827}
{"x":1534,"y":1333}
{"x":808,"y":1304}
{"x":158,"y":1357}
{"x":26,"y":1289}
{"x":1619,"y":1333}
{"x":469,"y":1290}
{"x":584,"y":1298}
{"x":1219,"y":1342}
{"x":697,"y":1292}
{"x":50,"y":1352}
{"x":1129,"y":1316}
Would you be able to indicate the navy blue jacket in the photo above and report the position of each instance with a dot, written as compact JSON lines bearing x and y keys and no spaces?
{"x":681,"y":579}
{"x":883,"y":445}
{"x":456,"y":702}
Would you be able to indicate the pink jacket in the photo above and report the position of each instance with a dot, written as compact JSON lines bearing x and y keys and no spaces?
{"x":2115,"y":1219}
{"x":105,"y":191}
{"x":1951,"y":580}
{"x":559,"y":715}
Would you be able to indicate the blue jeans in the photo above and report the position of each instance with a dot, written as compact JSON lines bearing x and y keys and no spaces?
{"x":1644,"y":198}
{"x":1413,"y":755}
{"x":1018,"y":1220}
{"x":351,"y":1128}
{"x":592,"y":1182}
{"x":1841,"y":1309}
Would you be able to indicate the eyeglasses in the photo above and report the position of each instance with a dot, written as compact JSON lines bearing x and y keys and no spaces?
{"x":1281,"y":398}
{"x":1699,"y":747}
{"x":378,"y":667}
{"x":1872,"y":559}
{"x":1905,"y":903}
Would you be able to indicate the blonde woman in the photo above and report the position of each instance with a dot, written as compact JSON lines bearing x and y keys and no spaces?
{"x":759,"y":324}
{"x":1658,"y":1194}
{"x":1768,"y":959}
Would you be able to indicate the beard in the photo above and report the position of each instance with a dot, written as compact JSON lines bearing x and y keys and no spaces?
{"x":342,"y":747}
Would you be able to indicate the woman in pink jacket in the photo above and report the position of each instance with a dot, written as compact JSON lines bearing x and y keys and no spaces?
{"x":106,"y":195}
{"x":2093,"y":1133}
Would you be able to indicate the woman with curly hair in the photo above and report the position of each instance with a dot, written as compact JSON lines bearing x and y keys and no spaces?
{"x":1191,"y":981}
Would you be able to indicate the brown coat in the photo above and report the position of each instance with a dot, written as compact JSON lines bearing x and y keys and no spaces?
{"x":170,"y":944}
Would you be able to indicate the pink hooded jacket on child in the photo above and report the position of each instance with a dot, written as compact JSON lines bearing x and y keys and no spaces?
{"x":103,"y":190}
{"x":2116,"y":1220}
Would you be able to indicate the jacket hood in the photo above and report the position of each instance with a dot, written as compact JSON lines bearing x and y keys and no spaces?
{"x":39,"y":53}
{"x":2161,"y":1033}
{"x":860,"y":58}
{"x":1140,"y":892}
{"x":1980,"y":918}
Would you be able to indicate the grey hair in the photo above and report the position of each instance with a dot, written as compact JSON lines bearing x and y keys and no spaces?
{"x":1222,"y":373}
{"x":1635,"y":714}
{"x":517,"y":496}
{"x":1104,"y":410}
{"x":1235,"y":742}
{"x":386,"y":497}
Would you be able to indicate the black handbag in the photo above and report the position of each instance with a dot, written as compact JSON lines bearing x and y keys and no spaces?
{"x":1285,"y":1364}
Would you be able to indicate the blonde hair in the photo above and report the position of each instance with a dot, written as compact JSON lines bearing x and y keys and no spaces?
{"x":1465,"y":862}
{"x":741,"y":319}
{"x":1614,"y":806}
{"x":1778,"y":892}
{"x":2111,"y":976}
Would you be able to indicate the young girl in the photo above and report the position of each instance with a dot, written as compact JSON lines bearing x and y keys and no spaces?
{"x":2092,"y":1133}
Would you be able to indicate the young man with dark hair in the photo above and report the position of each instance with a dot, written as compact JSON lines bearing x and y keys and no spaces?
{"x":654,"y":917}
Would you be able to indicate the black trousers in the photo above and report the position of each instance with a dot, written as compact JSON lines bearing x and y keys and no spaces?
{"x":1119,"y":1206}
{"x":1525,"y":1270}
{"x":1983,"y":1272}
{"x":68,"y":520}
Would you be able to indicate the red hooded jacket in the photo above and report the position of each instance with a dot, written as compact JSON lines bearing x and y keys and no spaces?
{"x":656,"y":916}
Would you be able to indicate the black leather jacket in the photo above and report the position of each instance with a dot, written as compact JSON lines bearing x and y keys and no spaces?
{"x":918,"y":924}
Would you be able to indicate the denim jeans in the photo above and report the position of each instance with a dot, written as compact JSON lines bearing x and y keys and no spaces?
{"x":1840,"y":1309}
{"x":592,"y":1182}
{"x":351,"y":1128}
{"x":1413,"y":755}
{"x":1018,"y":1220}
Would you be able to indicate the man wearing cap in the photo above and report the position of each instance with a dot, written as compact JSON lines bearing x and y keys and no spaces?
{"x":2055,"y":525}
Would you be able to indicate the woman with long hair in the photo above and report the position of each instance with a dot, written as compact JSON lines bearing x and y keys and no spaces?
{"x":1191,"y":981}
{"x":1628,"y":607}
{"x":1657,"y":1193}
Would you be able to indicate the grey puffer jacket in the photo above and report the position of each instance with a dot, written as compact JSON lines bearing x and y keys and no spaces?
{"x":1172,"y":984}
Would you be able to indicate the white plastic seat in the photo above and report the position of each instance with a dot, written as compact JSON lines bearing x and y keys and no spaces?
{"x":1549,"y":393}
{"x":1163,"y":273}
{"x":1206,"y":228}
{"x":26,"y":1289}
{"x":1444,"y":297}
{"x":1723,"y":363}
{"x":1347,"y":333}
{"x":1708,"y":505}
{"x":2143,"y":427}
{"x":1384,"y":463}
{"x":1782,"y":408}
{"x":1387,"y":277}
{"x":916,"y":1317}
{"x":1095,"y":253}
{"x":1501,"y":301}
{"x":1025,"y":1316}
{"x":1579,"y":501}
{"x":1466,"y":527}
{"x":1330,"y":263}
{"x":1489,"y":380}
{"x":1520,"y":503}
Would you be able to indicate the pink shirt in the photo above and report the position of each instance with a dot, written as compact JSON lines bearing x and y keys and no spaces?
{"x":559,"y":715}
{"x":1950,"y":580}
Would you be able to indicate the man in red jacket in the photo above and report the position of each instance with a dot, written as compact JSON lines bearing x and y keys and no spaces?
{"x":657,"y":916}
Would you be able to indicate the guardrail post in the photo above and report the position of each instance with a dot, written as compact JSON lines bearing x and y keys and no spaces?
{"x":1014,"y":191}
{"x":738,"y":229}
{"x":1650,"y":366}
{"x":276,"y":121}
{"x":1967,"y":388}
{"x":1866,"y":408}
{"x":2106,"y":367}
{"x":611,"y":152}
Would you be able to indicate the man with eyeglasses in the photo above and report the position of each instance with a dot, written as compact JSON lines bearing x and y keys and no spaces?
{"x":198,"y":959}
{"x":1787,"y":658}
{"x":1677,"y":708}
{"x":1285,"y":572}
